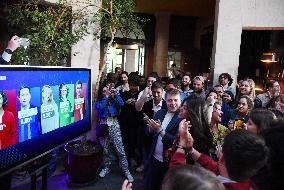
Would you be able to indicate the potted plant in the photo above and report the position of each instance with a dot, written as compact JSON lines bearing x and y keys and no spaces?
{"x":83,"y":161}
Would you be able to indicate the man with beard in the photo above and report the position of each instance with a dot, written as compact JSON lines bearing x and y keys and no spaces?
{"x":198,"y":86}
{"x":185,"y":84}
{"x":163,"y":128}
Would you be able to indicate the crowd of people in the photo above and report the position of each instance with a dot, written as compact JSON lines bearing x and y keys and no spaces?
{"x":185,"y":135}
{"x":228,"y":138}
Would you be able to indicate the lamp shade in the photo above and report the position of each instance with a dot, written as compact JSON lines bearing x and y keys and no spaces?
{"x":269,"y":58}
{"x":133,"y":46}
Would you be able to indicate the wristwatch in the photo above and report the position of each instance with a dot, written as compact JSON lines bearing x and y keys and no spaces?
{"x":8,"y":51}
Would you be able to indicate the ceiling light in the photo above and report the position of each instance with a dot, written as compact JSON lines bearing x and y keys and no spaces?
{"x":269,"y":58}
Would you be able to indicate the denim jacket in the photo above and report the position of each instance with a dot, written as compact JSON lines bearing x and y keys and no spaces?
{"x":105,"y":111}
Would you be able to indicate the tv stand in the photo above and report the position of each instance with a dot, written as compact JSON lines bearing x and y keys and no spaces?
{"x":43,"y":174}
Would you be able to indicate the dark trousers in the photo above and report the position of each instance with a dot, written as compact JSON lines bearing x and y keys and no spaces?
{"x":154,"y":174}
{"x":143,"y":144}
{"x":130,"y":140}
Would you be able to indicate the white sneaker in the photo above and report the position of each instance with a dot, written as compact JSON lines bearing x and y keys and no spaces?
{"x":140,"y":168}
{"x":104,"y":172}
{"x":129,"y":177}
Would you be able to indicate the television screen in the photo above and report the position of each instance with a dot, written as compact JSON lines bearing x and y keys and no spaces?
{"x":40,"y":109}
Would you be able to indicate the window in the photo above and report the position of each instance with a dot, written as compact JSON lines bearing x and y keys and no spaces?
{"x":140,"y":61}
{"x":115,"y":58}
{"x":173,"y":58}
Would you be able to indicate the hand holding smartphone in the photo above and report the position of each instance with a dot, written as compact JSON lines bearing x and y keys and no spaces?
{"x":146,"y":117}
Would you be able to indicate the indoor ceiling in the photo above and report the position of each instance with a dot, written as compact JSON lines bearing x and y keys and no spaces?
{"x":196,"y":8}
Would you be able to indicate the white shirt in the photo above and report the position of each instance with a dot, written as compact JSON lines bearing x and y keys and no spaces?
{"x":157,"y":107}
{"x":6,"y":56}
{"x":158,"y":154}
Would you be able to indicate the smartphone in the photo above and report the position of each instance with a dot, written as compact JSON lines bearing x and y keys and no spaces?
{"x":239,"y":124}
{"x":130,"y":100}
{"x":25,"y":42}
{"x":146,"y":117}
{"x":113,"y":90}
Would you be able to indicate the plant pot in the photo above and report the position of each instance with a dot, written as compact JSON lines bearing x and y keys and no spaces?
{"x":82,"y":163}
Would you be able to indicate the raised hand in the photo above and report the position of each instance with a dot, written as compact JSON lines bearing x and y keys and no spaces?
{"x":14,"y":43}
{"x":186,"y":139}
{"x":126,"y":185}
{"x":147,"y":92}
{"x":211,"y":100}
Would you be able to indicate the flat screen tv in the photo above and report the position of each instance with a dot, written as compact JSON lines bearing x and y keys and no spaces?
{"x":43,"y":107}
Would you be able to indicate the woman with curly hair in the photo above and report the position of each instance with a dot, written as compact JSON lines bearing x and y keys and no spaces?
{"x":241,"y":113}
{"x":226,"y":81}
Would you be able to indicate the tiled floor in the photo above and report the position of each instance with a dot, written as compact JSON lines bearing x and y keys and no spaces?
{"x":57,"y":181}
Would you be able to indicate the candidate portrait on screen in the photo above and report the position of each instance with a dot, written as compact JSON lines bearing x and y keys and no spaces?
{"x":79,"y":108}
{"x":66,"y":102}
{"x":8,"y":126}
{"x":28,"y":114}
{"x":49,"y":110}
